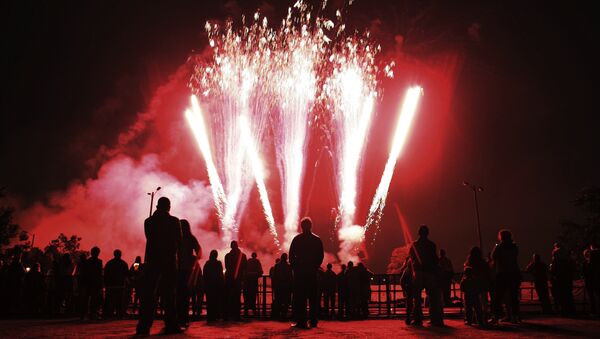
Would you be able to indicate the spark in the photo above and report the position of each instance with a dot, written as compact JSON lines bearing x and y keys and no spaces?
{"x":407,"y":113}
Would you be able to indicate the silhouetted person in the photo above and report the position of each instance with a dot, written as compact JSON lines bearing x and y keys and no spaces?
{"x":189,"y":272}
{"x":306,"y":256}
{"x":406,"y":282}
{"x":134,"y":285}
{"x":562,"y":270}
{"x":65,"y":282}
{"x":471,"y":288}
{"x":351,"y":280}
{"x":235,"y":269}
{"x":115,"y":278}
{"x":342,"y":288}
{"x":34,"y":290}
{"x":282,"y":279}
{"x":92,"y":280}
{"x":15,"y":275}
{"x":591,"y":276}
{"x":446,"y":275}
{"x":214,"y":283}
{"x":539,"y":272}
{"x":253,"y":272}
{"x":329,"y":288}
{"x":163,"y":241}
{"x":364,"y":276}
{"x":482,"y":272}
{"x":425,"y":267}
{"x":508,"y":277}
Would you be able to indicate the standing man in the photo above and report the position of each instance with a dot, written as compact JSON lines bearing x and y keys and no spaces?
{"x":282,"y":280}
{"x":253,"y":272}
{"x":235,"y":269}
{"x":163,"y":242}
{"x":213,"y":284}
{"x":115,"y":276}
{"x":508,"y":277}
{"x":342,"y":288}
{"x":188,"y":278}
{"x":539,"y":270}
{"x":329,"y":288}
{"x":306,"y":256}
{"x":447,"y":273}
{"x":426,"y":269}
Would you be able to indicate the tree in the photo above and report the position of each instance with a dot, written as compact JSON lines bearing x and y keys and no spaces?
{"x":8,"y":229}
{"x":578,"y":236}
{"x":63,"y":244}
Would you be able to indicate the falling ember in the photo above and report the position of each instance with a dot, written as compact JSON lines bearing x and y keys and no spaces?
{"x":407,"y":113}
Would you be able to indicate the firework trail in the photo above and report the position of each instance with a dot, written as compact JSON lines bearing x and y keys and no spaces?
{"x":407,"y":113}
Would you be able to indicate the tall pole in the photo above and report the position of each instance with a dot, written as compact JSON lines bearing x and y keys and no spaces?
{"x":478,"y":222}
{"x":151,"y":202}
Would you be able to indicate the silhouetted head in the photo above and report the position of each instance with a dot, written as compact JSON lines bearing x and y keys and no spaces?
{"x":138,"y":259}
{"x":213,"y":255}
{"x":360,"y":264}
{"x":329,"y":266}
{"x":442,"y":253}
{"x":95,"y":251}
{"x":306,"y":224}
{"x":117,"y":253}
{"x":253,"y":255}
{"x":350,"y":264}
{"x":186,"y":230}
{"x":536,"y":257}
{"x":343,"y":267}
{"x":505,"y":236}
{"x":423,"y":231}
{"x":284,"y":257}
{"x":468,"y":271}
{"x":475,"y":252}
{"x":163,"y":204}
{"x":234,"y":245}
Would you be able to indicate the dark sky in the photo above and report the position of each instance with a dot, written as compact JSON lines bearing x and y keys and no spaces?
{"x":523,"y":121}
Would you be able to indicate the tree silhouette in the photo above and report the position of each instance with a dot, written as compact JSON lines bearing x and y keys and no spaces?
{"x":577,"y":236}
{"x":8,"y":229}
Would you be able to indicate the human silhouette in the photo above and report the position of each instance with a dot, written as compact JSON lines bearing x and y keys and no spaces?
{"x":406,"y":282}
{"x":135,"y":282}
{"x":470,"y":285}
{"x":115,"y":278}
{"x":342,"y":289}
{"x":364,"y":275}
{"x":447,"y":273}
{"x":92,"y":279}
{"x":65,"y":282}
{"x":253,"y":272}
{"x":352,"y":290}
{"x":508,"y":278}
{"x":235,"y":269}
{"x":15,"y":274}
{"x":189,"y":272}
{"x":482,"y":272}
{"x":163,"y":240}
{"x":214,"y":284}
{"x":425,"y":267}
{"x":306,"y":256}
{"x":562,"y":270}
{"x":329,"y":288}
{"x":282,"y":279}
{"x":34,"y":290}
{"x":539,"y":272}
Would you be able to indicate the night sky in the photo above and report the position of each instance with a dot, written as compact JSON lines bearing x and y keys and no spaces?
{"x":519,"y":120}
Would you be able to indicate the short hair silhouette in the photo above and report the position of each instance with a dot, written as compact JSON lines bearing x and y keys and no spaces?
{"x":117,"y":253}
{"x":306,"y":224}
{"x":234,"y":244}
{"x":163,"y":204}
{"x":505,"y":235}
{"x":186,"y":230}
{"x":423,"y":231}
{"x":95,"y":251}
{"x":284,"y":256}
{"x":253,"y":254}
{"x":213,"y":254}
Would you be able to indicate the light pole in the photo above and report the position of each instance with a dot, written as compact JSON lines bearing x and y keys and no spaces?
{"x":475,"y":189}
{"x":151,"y":194}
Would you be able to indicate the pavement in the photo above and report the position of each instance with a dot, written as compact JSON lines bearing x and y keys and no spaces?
{"x":377,"y":328}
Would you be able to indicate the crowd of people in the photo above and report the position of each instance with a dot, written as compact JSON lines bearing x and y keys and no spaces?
{"x":171,"y":277}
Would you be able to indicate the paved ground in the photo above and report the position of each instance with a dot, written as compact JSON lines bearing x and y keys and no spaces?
{"x":383,"y":329}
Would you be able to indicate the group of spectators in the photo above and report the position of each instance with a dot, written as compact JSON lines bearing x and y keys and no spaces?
{"x":172,"y":277}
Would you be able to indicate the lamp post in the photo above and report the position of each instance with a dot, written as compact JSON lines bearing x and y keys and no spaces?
{"x":475,"y":189}
{"x":151,"y":194}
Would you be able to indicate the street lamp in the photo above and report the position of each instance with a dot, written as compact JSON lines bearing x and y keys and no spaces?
{"x":475,"y":189}
{"x":151,"y":194}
